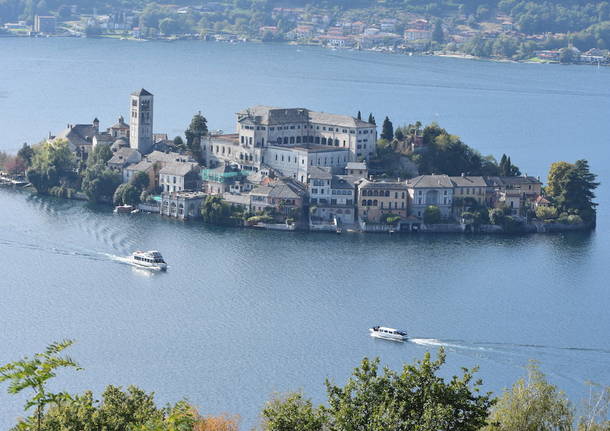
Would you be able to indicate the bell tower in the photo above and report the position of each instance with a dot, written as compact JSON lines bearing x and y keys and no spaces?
{"x":141,"y":121}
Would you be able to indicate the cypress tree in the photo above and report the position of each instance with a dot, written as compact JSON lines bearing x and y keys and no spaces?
{"x":387,"y":131}
{"x":359,"y":115}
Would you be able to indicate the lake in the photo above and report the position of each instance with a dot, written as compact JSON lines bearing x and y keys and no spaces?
{"x":241,"y":314}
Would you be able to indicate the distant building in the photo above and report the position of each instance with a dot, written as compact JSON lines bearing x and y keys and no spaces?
{"x":45,"y":24}
{"x":331,"y":197}
{"x":295,"y":161}
{"x":379,"y":198}
{"x":141,"y":121}
{"x":182,"y":205}
{"x":122,"y":158}
{"x":357,"y":169}
{"x":427,"y":190}
{"x":284,"y":196}
{"x":179,"y":176}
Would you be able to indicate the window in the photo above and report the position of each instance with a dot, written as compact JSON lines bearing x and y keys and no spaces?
{"x":375,"y":203}
{"x":363,"y":203}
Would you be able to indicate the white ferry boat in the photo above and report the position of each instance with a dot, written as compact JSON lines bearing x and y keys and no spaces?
{"x":149,"y":260}
{"x":387,"y":333}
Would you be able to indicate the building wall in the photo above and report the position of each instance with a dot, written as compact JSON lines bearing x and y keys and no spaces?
{"x":295,"y":162}
{"x":374,"y":202}
{"x":421,"y":198}
{"x":360,"y":141}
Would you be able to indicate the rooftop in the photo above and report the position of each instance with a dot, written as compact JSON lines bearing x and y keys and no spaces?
{"x":269,"y":116}
{"x":430,"y":181}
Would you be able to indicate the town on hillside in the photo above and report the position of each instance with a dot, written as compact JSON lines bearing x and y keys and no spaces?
{"x":289,"y":169}
{"x":518,"y":30}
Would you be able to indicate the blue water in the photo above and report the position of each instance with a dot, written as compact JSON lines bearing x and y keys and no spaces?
{"x":240,"y":313}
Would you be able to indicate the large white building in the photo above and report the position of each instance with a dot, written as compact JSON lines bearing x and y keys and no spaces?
{"x":292,"y":140}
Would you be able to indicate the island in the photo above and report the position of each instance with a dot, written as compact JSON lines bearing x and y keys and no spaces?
{"x":298,"y":169}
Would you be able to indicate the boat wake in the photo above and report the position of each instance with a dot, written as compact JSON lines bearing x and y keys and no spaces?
{"x":496,"y":347}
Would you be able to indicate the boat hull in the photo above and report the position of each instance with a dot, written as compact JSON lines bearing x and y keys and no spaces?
{"x":385,"y":336}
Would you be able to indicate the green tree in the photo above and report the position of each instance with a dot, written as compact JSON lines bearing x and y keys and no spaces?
{"x":99,"y":183}
{"x":572,"y":188}
{"x":414,"y":399}
{"x":546,"y":213}
{"x":195,"y":133}
{"x":215,"y":211}
{"x":371,"y":119}
{"x":26,"y":153}
{"x":140,"y":180}
{"x":432,"y":215}
{"x":293,"y":413}
{"x":52,"y":163}
{"x":532,"y":404}
{"x":387,"y":130}
{"x":34,"y":374}
{"x":507,"y":169}
{"x":126,"y":194}
{"x":100,"y":155}
{"x":359,"y":115}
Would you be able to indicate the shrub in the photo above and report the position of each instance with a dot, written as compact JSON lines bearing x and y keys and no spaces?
{"x":546,"y":213}
{"x":432,"y":215}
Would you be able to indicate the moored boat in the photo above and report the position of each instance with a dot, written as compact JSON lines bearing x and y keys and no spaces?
{"x":387,"y":333}
{"x":124,"y":209}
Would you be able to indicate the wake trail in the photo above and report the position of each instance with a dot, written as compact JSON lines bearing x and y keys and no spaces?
{"x":503,"y":348}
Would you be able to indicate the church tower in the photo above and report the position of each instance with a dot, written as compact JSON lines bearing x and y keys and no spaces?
{"x":141,"y":121}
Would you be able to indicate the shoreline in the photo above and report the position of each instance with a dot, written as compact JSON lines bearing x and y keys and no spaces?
{"x":538,"y":227}
{"x":456,"y":55}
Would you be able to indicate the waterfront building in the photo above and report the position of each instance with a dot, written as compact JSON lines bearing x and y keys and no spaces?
{"x":149,"y":168}
{"x":331,"y":197}
{"x":45,"y":24}
{"x":468,"y":191}
{"x":377,"y":199}
{"x":141,"y":121}
{"x":183,"y":205}
{"x":517,"y":193}
{"x":426,"y":190}
{"x":179,"y":176}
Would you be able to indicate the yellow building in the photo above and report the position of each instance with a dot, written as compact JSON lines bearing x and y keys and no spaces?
{"x":379,"y":198}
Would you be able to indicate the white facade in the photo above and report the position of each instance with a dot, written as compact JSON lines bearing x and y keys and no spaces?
{"x":296,"y":161}
{"x":261,"y":126}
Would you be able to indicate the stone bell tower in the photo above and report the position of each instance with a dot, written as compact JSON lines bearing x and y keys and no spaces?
{"x":141,"y":121}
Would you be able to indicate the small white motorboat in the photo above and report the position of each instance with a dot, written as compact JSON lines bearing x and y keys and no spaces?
{"x":148,"y":260}
{"x":388,"y":333}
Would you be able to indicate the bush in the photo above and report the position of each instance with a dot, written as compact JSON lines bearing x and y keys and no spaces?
{"x":546,"y":213}
{"x":432,"y":215}
{"x":260,"y":219}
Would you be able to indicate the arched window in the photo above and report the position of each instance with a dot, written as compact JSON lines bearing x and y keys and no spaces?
{"x":279,"y":140}
{"x":375,"y":203}
{"x":387,"y":193}
{"x":376,"y":193}
{"x":323,"y":141}
{"x":382,"y":204}
{"x":363,"y":203}
{"x":369,"y":203}
{"x":298,"y":139}
{"x":336,"y":142}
